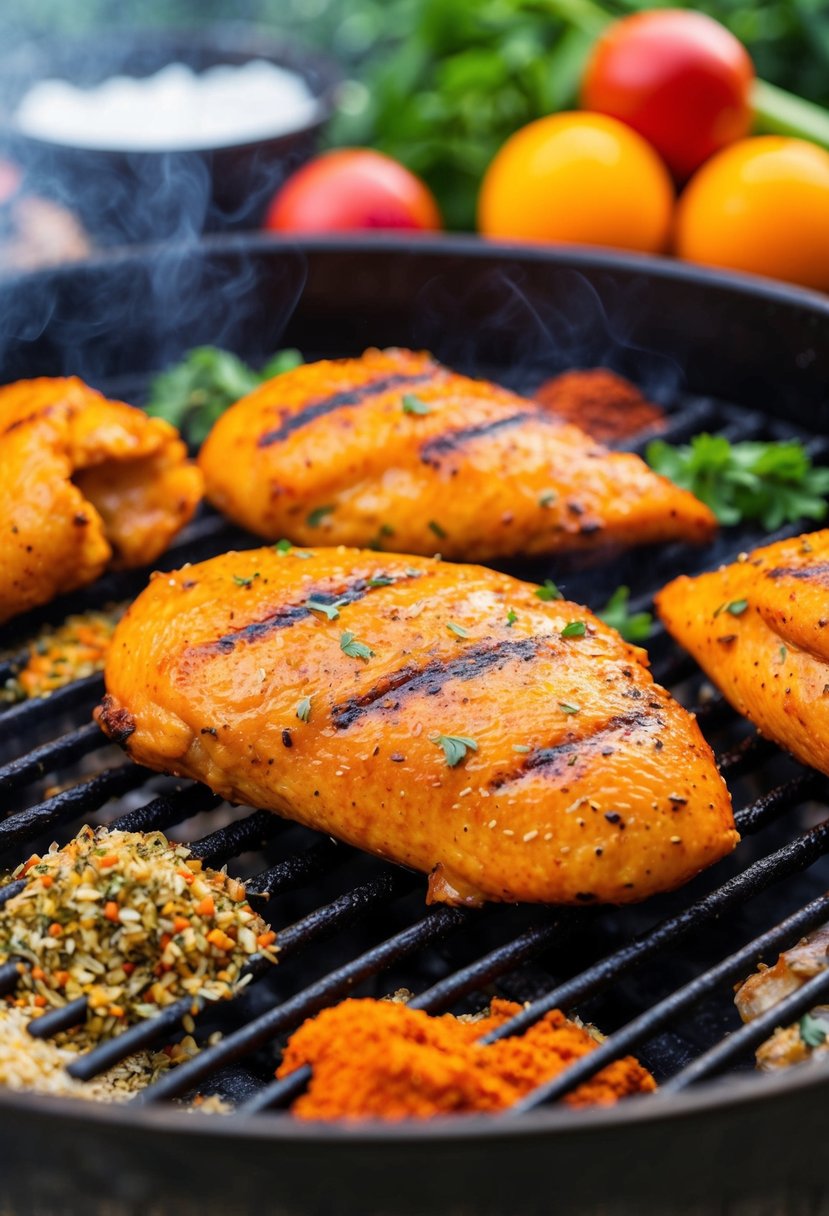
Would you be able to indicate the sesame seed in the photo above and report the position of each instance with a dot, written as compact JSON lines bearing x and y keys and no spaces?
{"x":676,"y":840}
{"x":548,"y":835}
{"x":508,"y":832}
{"x":492,"y":822}
{"x":565,"y":848}
{"x":463,"y":793}
{"x":528,"y":836}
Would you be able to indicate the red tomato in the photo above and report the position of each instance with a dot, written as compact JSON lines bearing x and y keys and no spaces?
{"x":352,"y":188}
{"x":677,"y":77}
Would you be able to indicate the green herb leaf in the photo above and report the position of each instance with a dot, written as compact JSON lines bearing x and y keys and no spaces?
{"x":240,"y":581}
{"x":331,"y":611}
{"x":512,"y":617}
{"x":569,"y":709}
{"x":547,"y":498}
{"x":303,"y":709}
{"x":354,"y":649}
{"x":454,"y":747}
{"x":774,"y":483}
{"x":194,"y":393}
{"x":382,"y":580}
{"x":781,"y":654}
{"x":458,"y":630}
{"x":737,"y":607}
{"x":414,"y":405}
{"x":315,"y":517}
{"x":283,"y":546}
{"x":574,"y":629}
{"x":633,"y":626}
{"x":549,"y":591}
{"x":283,"y":361}
{"x":437,"y":529}
{"x":812,"y":1032}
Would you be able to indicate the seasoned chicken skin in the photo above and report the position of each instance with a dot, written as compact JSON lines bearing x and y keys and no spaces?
{"x":393,"y":451}
{"x":428,"y":713}
{"x":760,"y":629}
{"x":83,"y":482}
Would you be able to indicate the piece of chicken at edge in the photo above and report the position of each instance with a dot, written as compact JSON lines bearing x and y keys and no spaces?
{"x":393,"y":451}
{"x":84,"y":483}
{"x":759,"y":628}
{"x":440,"y":716}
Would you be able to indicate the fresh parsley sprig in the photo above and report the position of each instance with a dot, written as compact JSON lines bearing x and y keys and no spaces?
{"x":454,"y":747}
{"x":633,"y":626}
{"x":775,"y":483}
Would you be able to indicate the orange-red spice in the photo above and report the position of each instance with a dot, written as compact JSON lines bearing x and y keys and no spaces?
{"x":380,"y":1059}
{"x":605,"y":405}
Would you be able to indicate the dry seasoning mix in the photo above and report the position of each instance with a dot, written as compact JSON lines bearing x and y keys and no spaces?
{"x":132,"y":922}
{"x":60,"y":654}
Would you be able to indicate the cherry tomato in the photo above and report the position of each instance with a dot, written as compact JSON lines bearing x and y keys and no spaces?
{"x":578,"y":177}
{"x":352,"y":188}
{"x":677,"y":77}
{"x":761,"y":205}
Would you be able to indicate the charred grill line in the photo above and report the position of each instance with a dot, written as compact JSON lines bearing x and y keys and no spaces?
{"x":818,"y":573}
{"x":342,"y":400}
{"x":585,"y":746}
{"x":430,"y":679}
{"x":452,"y":441}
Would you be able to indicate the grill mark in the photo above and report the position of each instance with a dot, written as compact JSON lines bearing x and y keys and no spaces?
{"x":819,"y":573}
{"x":287,"y":616}
{"x":556,"y":757}
{"x":451,"y":441}
{"x":347,"y":398}
{"x":431,"y":678}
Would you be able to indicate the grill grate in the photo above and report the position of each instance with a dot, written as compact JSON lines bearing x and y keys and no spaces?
{"x":334,"y":910}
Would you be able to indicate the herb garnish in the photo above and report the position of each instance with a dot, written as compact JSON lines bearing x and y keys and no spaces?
{"x":315,"y":517}
{"x":781,"y":654}
{"x":574,"y":629}
{"x":283,"y":546}
{"x":569,"y":709}
{"x":303,"y":709}
{"x":812,"y":1032}
{"x":244,"y":582}
{"x":437,"y":529}
{"x":454,"y":747}
{"x":354,"y":649}
{"x":457,"y":629}
{"x":547,"y":498}
{"x":331,"y":611}
{"x":512,"y":617}
{"x":414,"y":405}
{"x":735,"y":608}
{"x":632,"y":626}
{"x":382,"y":580}
{"x":549,"y":591}
{"x":775,"y":483}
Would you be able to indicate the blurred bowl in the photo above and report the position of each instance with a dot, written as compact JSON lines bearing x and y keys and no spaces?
{"x":124,"y":196}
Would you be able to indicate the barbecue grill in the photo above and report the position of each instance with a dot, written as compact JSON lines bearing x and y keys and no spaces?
{"x":741,"y":356}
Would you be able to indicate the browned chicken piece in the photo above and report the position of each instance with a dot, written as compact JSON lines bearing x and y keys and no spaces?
{"x":440,"y":716}
{"x":769,"y":985}
{"x":605,"y":405}
{"x":760,"y":629}
{"x":392,"y":451}
{"x":84,"y":482}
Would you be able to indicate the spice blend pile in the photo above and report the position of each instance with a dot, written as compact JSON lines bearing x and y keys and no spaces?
{"x":60,"y":654}
{"x":382,"y":1060}
{"x":132,"y":922}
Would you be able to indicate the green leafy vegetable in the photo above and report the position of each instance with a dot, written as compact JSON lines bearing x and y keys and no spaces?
{"x":812,"y":1032}
{"x":414,"y":405}
{"x":354,"y":649}
{"x":548,"y":591}
{"x":633,"y":626}
{"x":303,"y":709}
{"x":454,"y":747}
{"x":194,"y":393}
{"x":574,"y":629}
{"x":774,"y":483}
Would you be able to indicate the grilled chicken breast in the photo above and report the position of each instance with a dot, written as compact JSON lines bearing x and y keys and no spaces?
{"x":760,"y":629}
{"x":393,"y":451}
{"x":83,"y":482}
{"x":441,"y":716}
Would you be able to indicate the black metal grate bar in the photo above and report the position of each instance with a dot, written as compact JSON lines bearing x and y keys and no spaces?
{"x":26,"y":715}
{"x":768,"y":806}
{"x":238,"y":837}
{"x":752,"y":1034}
{"x":50,"y":756}
{"x":654,"y":1019}
{"x":435,"y":925}
{"x":167,"y":810}
{"x":73,"y":1013}
{"x":68,"y":804}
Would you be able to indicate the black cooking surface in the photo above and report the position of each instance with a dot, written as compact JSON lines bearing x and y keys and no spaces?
{"x":350,"y":924}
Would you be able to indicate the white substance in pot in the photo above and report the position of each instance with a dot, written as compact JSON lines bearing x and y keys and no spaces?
{"x":174,"y":109}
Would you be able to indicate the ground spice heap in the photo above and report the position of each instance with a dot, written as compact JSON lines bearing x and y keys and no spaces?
{"x":380,"y":1059}
{"x":605,"y":405}
{"x":132,"y":922}
{"x":60,"y":654}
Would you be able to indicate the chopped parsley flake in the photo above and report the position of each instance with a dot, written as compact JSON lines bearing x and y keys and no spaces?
{"x":437,"y":529}
{"x":735,"y":608}
{"x":382,"y":580}
{"x":574,"y":629}
{"x":414,"y":405}
{"x":569,"y":709}
{"x":283,"y":546}
{"x":244,"y":582}
{"x":354,"y":649}
{"x":547,"y":498}
{"x":457,"y":629}
{"x":782,"y":652}
{"x":303,"y":709}
{"x":512,"y":617}
{"x":331,"y":611}
{"x":549,"y":591}
{"x":812,"y":1032}
{"x":315,"y":518}
{"x":454,"y":747}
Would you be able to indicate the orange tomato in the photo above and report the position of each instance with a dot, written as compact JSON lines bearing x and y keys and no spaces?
{"x":580,"y":178}
{"x":761,"y":205}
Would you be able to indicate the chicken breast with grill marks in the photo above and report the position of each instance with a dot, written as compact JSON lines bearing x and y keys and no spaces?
{"x":393,"y":451}
{"x":84,"y":482}
{"x":440,"y":716}
{"x":759,"y":628}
